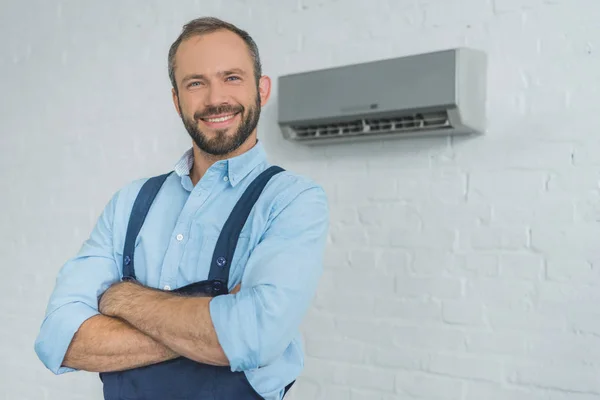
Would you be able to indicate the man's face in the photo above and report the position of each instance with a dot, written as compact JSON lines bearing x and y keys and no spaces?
{"x":219,"y":99}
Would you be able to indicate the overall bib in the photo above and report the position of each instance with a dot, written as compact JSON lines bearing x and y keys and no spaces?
{"x":182,"y":378}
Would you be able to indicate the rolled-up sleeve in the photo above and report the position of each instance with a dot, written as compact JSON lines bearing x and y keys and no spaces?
{"x":256,"y":325}
{"x":74,"y":298}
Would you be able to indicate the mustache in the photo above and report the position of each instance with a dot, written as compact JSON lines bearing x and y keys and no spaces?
{"x":209,"y":111}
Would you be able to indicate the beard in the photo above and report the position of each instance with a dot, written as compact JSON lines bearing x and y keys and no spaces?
{"x":223,"y":143}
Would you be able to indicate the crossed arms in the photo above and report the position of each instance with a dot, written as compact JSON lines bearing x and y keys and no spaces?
{"x":132,"y":325}
{"x":141,"y":326}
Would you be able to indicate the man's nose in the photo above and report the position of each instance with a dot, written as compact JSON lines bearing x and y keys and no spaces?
{"x":215,"y":96}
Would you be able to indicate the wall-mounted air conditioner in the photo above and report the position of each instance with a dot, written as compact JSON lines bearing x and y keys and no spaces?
{"x":438,"y":93}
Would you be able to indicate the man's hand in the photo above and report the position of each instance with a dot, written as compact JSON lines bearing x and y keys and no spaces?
{"x":112,"y":299}
{"x":180,"y":323}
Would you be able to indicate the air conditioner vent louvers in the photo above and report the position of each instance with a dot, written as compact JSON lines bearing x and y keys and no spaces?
{"x":405,"y":123}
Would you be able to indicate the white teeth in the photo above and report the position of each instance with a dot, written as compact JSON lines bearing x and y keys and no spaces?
{"x":220,"y":119}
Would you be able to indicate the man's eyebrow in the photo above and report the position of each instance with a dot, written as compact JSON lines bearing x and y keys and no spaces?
{"x":233,"y":71}
{"x":192,"y":76}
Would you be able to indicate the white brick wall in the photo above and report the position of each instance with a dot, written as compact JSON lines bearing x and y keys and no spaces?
{"x":462,"y":269}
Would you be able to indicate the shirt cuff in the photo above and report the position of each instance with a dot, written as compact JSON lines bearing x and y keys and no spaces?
{"x":57,"y":332}
{"x":233,"y":317}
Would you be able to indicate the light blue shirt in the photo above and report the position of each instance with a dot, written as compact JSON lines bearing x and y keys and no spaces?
{"x":278,"y":261}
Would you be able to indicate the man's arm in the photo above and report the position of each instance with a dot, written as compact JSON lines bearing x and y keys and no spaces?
{"x":73,"y":335}
{"x":181,"y":323}
{"x":105,"y":344}
{"x":256,"y":325}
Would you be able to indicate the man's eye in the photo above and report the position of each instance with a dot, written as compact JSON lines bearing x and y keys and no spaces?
{"x":194,"y":84}
{"x":233,"y":78}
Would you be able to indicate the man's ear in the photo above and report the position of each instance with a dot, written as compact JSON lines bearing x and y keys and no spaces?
{"x":264,"y":89}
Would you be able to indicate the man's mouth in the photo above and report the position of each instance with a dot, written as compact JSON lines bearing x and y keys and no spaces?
{"x":220,"y":121}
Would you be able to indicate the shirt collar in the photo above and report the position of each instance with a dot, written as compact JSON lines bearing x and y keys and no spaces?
{"x":237,"y":168}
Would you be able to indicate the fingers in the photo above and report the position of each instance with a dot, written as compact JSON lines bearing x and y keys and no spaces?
{"x":236,"y":289}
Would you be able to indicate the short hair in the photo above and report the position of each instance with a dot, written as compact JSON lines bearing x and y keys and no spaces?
{"x":204,"y":25}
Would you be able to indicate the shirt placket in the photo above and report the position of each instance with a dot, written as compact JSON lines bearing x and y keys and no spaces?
{"x":180,"y":235}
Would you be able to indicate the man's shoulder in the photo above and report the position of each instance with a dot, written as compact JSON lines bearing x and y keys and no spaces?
{"x":126,"y":194}
{"x":289,"y":186}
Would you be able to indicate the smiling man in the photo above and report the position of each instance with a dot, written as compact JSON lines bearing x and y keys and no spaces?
{"x":193,"y":284}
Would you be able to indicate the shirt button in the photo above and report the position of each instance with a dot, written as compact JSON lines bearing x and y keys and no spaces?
{"x":167,"y":287}
{"x":179,"y":237}
{"x":225,"y":178}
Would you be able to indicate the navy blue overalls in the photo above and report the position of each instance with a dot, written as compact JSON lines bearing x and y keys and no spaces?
{"x":182,"y":378}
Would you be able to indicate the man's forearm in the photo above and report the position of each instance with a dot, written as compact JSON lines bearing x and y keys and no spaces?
{"x":106,"y":344}
{"x":180,"y":323}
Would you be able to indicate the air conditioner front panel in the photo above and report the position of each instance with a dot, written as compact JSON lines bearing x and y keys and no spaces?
{"x":417,"y":81}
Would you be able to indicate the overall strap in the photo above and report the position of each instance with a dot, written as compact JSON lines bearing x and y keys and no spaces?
{"x":228,"y":239}
{"x":140,"y":209}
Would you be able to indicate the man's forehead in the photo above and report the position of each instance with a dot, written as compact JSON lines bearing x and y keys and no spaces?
{"x":219,"y":43}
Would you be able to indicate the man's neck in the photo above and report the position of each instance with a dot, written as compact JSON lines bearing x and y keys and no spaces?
{"x":203,"y":161}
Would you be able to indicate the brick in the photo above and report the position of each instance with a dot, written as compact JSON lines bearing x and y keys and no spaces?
{"x":438,"y":339}
{"x":332,"y":392}
{"x":513,"y":238}
{"x":468,"y":367}
{"x":567,"y":183}
{"x":573,"y":239}
{"x":564,"y":347}
{"x":506,"y":319}
{"x":323,"y":320}
{"x":439,"y":239}
{"x":362,"y":394}
{"x":335,"y":258}
{"x":516,"y":153}
{"x":444,"y":14}
{"x":498,"y":293}
{"x":574,"y":378}
{"x":506,"y":187}
{"x":348,"y":236}
{"x":446,"y":185}
{"x":521,"y":266}
{"x":335,"y":349}
{"x":403,"y":357}
{"x":562,"y":211}
{"x":409,"y":310}
{"x":395,"y":261}
{"x":395,"y":215}
{"x":321,"y":371}
{"x":431,"y":262}
{"x":366,"y":377}
{"x":586,"y":155}
{"x":496,"y":343}
{"x":437,"y":288}
{"x":475,"y":265}
{"x":366,"y":330}
{"x":365,"y":191}
{"x":463,"y":313}
{"x":576,"y":271}
{"x":453,"y":216}
{"x":364,"y":259}
{"x":494,"y":391}
{"x":429,"y":386}
{"x":345,"y":215}
{"x":353,"y":282}
{"x":563,"y":298}
{"x":347,"y":304}
{"x":405,"y":157}
{"x":586,"y":209}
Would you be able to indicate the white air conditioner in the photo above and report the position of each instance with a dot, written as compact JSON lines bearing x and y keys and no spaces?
{"x":438,"y":93}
